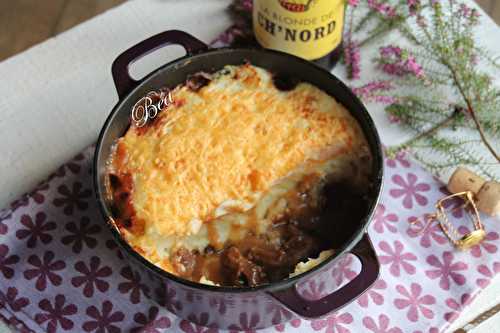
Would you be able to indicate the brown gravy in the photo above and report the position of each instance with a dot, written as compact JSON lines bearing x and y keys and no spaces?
{"x":303,"y":232}
{"x":313,"y":221}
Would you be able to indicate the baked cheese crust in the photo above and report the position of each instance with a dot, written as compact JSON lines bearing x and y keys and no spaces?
{"x":226,"y":144}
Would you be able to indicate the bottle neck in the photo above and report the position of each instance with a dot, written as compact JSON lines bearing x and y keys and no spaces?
{"x":310,"y":29}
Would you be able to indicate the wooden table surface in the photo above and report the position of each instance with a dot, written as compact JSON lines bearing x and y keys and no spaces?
{"x":24,"y":23}
{"x":28,"y":22}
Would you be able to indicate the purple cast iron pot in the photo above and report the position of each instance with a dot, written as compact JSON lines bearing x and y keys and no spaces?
{"x":230,"y":307}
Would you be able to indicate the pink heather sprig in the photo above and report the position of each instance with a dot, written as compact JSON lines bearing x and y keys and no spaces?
{"x":396,"y":61}
{"x":465,"y":10}
{"x":384,"y":99}
{"x":352,"y":54}
{"x":247,"y":5}
{"x":413,"y":6}
{"x":421,"y":21}
{"x":230,"y":34}
{"x":373,"y":92}
{"x":470,"y":14}
{"x":352,"y":58}
{"x":393,"y":119}
{"x":375,"y":86}
{"x":382,"y":8}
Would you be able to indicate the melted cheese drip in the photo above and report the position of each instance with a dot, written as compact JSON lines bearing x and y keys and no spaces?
{"x":231,"y":140}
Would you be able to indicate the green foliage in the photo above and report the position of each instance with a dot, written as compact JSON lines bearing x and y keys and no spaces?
{"x":445,"y":83}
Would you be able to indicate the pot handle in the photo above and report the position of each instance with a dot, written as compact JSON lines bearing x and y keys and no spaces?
{"x":370,"y":268}
{"x":119,"y":69}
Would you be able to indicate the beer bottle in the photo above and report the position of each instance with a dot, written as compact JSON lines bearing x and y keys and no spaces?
{"x":310,"y":29}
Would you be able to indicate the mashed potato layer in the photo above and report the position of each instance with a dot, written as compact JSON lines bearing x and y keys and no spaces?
{"x":215,"y":162}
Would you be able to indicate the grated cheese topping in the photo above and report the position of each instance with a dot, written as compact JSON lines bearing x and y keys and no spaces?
{"x":229,"y":141}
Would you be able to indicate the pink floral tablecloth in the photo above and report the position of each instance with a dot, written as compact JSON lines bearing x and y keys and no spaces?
{"x":61,"y":271}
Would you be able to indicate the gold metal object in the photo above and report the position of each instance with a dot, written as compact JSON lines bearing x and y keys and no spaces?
{"x":471,"y":239}
{"x":462,"y":242}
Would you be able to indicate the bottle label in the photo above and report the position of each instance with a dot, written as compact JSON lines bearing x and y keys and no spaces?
{"x":306,"y":28}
